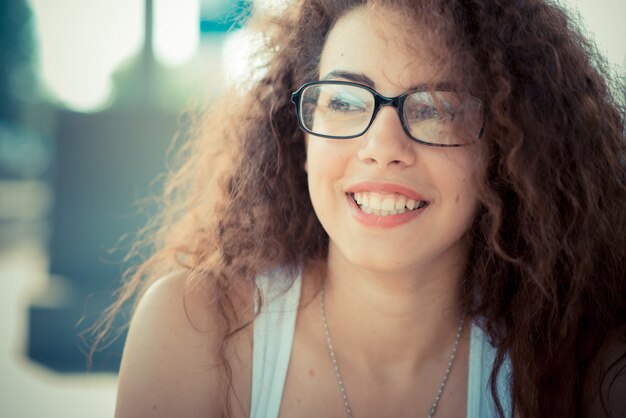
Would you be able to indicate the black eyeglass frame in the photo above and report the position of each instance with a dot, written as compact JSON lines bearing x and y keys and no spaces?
{"x":379,"y":101}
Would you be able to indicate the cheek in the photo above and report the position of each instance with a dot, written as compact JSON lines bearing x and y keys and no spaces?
{"x":320,"y":182}
{"x":466,"y":199}
{"x":326,"y":165}
{"x":464,"y":185}
{"x":456,"y":173}
{"x":319,"y":170}
{"x":326,"y":158}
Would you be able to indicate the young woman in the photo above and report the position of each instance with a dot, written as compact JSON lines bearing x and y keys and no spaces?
{"x":418,"y":210}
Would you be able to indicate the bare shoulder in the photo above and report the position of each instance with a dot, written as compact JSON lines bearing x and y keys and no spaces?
{"x":169,"y":366}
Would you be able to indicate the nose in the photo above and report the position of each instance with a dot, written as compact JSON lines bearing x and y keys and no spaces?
{"x":385,"y":143}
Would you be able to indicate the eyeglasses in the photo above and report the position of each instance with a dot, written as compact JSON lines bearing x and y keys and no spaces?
{"x":343,"y":110}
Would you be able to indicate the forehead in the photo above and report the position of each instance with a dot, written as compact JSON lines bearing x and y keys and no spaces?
{"x":383,"y":45}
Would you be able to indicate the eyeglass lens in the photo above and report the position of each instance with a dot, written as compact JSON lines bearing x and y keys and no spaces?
{"x":345,"y":110}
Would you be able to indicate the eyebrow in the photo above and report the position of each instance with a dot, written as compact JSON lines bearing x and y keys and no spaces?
{"x":363,"y":79}
{"x":356,"y":77}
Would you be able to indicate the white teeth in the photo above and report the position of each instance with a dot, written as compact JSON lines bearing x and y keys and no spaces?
{"x":375,"y":202}
{"x":386,"y":205}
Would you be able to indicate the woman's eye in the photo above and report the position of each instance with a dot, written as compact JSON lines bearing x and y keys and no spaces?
{"x":341,"y":105}
{"x":427,"y":112}
{"x":423,"y":112}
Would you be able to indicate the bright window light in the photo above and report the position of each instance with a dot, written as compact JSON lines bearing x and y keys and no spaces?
{"x":176,"y":30}
{"x":238,"y":61}
{"x":272,"y":6}
{"x":81,"y":43}
{"x":604,"y":19}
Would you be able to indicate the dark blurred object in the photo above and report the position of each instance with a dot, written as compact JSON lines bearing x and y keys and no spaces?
{"x":24,"y":152}
{"x":99,"y":167}
{"x":25,"y":149}
{"x":105,"y":163}
{"x":17,"y":85}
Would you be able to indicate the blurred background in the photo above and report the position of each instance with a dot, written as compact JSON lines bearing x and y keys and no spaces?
{"x":91,"y":95}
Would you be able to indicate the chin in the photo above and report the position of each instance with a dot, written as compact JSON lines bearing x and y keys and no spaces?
{"x":383,"y":261}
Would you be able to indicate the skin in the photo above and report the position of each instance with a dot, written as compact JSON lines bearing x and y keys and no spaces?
{"x":392,"y":301}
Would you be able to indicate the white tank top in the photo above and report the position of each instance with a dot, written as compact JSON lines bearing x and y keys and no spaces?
{"x":274,"y":329}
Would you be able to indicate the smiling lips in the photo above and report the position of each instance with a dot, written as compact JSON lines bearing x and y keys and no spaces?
{"x":385,"y":204}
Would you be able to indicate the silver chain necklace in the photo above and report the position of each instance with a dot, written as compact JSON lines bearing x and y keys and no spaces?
{"x":342,"y":389}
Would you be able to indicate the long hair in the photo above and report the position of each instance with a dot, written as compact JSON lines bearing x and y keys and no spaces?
{"x":545,"y":276}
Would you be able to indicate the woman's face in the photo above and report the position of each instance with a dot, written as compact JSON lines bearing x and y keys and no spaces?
{"x":384,"y":165}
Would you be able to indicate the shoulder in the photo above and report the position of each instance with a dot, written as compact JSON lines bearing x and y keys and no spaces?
{"x":170,"y":366}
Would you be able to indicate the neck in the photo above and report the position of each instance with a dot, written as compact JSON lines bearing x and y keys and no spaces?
{"x":393,"y":319}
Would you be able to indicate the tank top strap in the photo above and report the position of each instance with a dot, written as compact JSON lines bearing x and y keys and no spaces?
{"x":480,"y":402}
{"x":273,"y":335}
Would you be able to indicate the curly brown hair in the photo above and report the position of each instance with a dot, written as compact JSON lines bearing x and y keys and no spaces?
{"x":545,"y":276}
